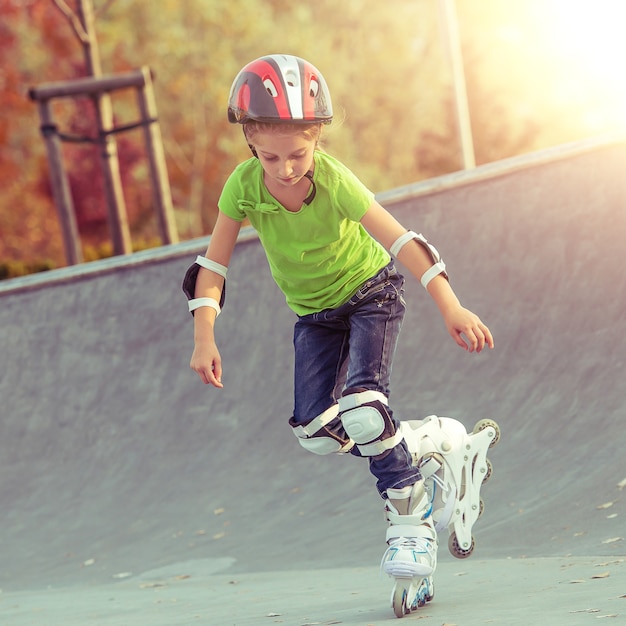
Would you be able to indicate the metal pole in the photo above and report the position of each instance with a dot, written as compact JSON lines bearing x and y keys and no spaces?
{"x":60,"y":187}
{"x":453,"y":45}
{"x":87,"y":86}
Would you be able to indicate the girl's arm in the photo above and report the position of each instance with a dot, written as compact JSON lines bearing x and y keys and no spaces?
{"x":458,"y":320}
{"x":206,"y":360}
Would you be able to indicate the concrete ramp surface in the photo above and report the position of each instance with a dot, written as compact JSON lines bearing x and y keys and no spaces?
{"x":132,"y":494}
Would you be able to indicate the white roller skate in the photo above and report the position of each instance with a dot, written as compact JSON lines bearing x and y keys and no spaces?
{"x":411,"y":557}
{"x":454,"y":466}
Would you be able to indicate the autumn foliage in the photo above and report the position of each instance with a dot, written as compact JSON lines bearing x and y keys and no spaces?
{"x":386,"y":68}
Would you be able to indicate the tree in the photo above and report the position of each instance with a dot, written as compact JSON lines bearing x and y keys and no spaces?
{"x":385,"y":66}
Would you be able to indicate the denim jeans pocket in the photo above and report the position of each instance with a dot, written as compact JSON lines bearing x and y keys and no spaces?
{"x":385,"y":286}
{"x":368,"y":289}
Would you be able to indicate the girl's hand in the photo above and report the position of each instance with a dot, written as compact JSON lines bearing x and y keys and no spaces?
{"x":467,"y":329}
{"x":207,"y":363}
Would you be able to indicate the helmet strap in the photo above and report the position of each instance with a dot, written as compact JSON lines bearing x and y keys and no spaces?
{"x":313,"y":191}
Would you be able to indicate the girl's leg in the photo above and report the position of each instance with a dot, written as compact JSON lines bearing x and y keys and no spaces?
{"x":364,"y":333}
{"x":376,"y":315}
{"x":411,"y":538}
{"x":321,"y":349}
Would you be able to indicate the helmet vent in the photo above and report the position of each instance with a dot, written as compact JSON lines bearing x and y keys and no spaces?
{"x":270,"y":86}
{"x":291,"y":78}
{"x":314,"y":87}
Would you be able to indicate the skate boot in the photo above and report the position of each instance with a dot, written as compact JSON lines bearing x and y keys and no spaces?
{"x":411,"y":557}
{"x":454,"y":465}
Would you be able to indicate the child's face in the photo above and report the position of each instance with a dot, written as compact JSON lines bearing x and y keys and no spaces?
{"x":285,"y":158}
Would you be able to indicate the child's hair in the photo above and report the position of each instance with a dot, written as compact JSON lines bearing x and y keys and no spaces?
{"x":309,"y":131}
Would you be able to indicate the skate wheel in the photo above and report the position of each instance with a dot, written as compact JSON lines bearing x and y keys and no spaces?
{"x":409,"y":595}
{"x":486,"y":423}
{"x":398,"y":600}
{"x":456,"y":550}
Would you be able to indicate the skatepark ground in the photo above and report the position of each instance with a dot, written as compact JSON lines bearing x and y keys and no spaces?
{"x":131,"y":494}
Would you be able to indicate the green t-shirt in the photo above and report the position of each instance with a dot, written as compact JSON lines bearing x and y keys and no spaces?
{"x":319,"y":255}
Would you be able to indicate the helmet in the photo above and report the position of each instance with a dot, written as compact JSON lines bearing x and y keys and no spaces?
{"x":279,"y":88}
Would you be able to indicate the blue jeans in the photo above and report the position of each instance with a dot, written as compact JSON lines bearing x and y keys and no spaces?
{"x":353,"y":346}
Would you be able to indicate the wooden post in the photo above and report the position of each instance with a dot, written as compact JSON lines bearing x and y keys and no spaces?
{"x":161,"y":193}
{"x":118,"y":218}
{"x":60,"y":187}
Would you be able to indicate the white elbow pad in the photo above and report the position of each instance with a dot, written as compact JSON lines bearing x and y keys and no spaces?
{"x":439,"y":267}
{"x":196,"y":303}
{"x":189,"y":284}
{"x":218,"y":268}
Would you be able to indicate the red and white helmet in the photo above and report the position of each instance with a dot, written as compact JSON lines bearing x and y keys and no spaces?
{"x":279,"y":88}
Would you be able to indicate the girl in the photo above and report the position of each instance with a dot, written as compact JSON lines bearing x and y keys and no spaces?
{"x":328,"y":244}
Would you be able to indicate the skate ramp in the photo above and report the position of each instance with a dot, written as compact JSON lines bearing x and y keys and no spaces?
{"x":119,"y":469}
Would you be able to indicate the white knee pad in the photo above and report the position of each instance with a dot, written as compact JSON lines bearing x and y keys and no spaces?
{"x":368,"y":423}
{"x":324,"y":434}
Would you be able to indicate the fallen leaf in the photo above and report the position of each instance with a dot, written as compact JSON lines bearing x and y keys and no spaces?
{"x":621,"y":484}
{"x":603,"y":575}
{"x":613,"y":540}
{"x":606,"y":505}
{"x":219,"y":511}
{"x":576,"y":582}
{"x":612,"y":516}
{"x":219,"y":535}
